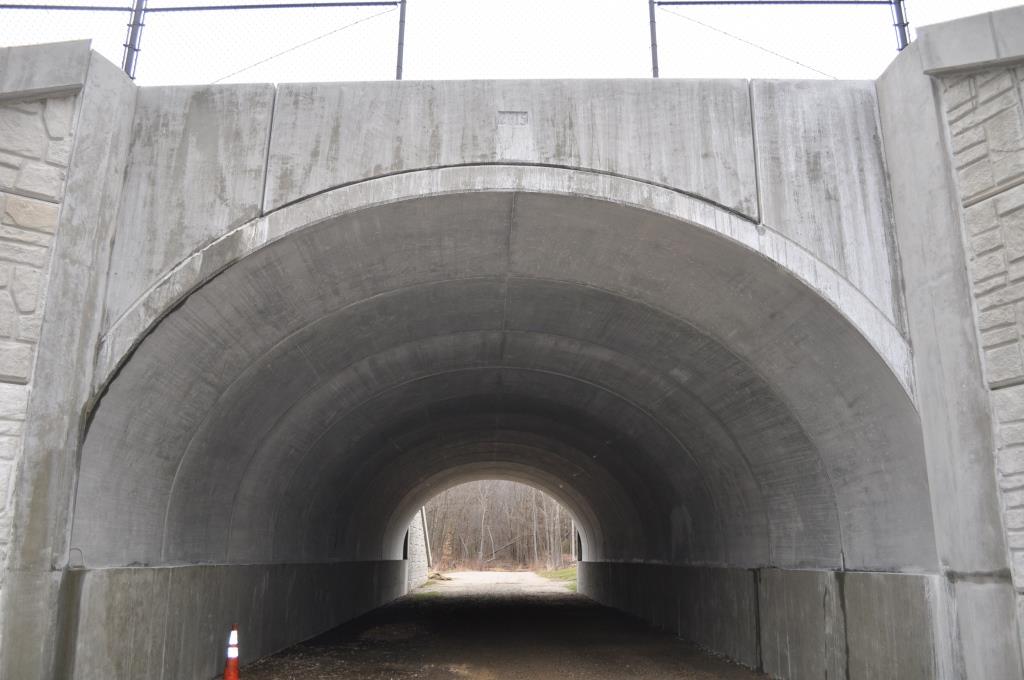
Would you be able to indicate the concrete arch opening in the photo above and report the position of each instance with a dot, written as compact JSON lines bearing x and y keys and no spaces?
{"x":697,"y":407}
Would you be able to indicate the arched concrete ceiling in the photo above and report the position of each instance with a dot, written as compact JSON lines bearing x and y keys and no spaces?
{"x":688,"y":399}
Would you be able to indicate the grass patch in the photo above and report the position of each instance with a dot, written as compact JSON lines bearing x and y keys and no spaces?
{"x":567,"y":574}
{"x":424,"y":594}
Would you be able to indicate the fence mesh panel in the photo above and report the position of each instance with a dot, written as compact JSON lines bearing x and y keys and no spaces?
{"x":457,"y":39}
{"x":269,"y":45}
{"x":691,"y":45}
{"x":106,"y":29}
{"x":465,"y":39}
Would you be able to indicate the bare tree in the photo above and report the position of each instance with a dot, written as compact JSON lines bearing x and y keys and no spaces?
{"x":496,"y":524}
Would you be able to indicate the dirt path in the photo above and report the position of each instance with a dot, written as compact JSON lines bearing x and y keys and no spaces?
{"x":494,"y":626}
{"x":493,"y":584}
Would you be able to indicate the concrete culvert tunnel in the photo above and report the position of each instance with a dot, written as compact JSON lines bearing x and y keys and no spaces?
{"x":731,"y":326}
{"x":717,"y":429}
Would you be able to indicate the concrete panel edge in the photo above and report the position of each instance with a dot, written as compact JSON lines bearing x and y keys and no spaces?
{"x":976,"y":42}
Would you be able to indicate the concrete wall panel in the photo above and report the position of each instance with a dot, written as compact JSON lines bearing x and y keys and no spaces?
{"x":889,"y":623}
{"x":173,"y":623}
{"x":797,"y":625}
{"x":195,"y":170}
{"x":712,"y":607}
{"x":823,"y":180}
{"x":801,"y":624}
{"x":717,"y":609}
{"x":690,"y":135}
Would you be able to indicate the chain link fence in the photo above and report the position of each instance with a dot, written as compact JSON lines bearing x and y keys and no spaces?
{"x":179,"y":45}
{"x":466,"y":39}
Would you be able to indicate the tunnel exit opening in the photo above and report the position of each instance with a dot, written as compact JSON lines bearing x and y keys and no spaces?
{"x":499,"y":525}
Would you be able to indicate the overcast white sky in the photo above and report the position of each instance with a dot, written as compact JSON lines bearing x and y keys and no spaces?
{"x":458,"y":39}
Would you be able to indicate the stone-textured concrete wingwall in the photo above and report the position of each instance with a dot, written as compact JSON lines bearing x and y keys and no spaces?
{"x":60,"y":203}
{"x":35,"y":146}
{"x":985,"y":112}
{"x":35,"y":143}
{"x":951,"y":123}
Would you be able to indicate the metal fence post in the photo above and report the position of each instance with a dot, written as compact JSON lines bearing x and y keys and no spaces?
{"x":654,"y":38}
{"x":401,"y":40}
{"x":131,"y":43}
{"x":900,"y":19}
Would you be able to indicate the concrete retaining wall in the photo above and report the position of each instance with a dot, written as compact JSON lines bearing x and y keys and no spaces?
{"x":790,"y":624}
{"x":419,"y":566}
{"x":173,"y":622}
{"x":714,"y":608}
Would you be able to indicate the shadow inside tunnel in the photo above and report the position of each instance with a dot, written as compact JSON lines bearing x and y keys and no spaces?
{"x":495,"y":626}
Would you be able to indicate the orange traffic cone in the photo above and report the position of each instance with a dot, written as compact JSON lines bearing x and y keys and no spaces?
{"x":231,"y":665}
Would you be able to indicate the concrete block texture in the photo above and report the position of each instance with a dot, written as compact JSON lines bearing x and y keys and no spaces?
{"x":58,"y":302}
{"x":31,"y":191}
{"x":984,"y":118}
{"x":953,"y":254}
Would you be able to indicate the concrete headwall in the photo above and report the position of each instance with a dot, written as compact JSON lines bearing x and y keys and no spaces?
{"x":800,"y":161}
